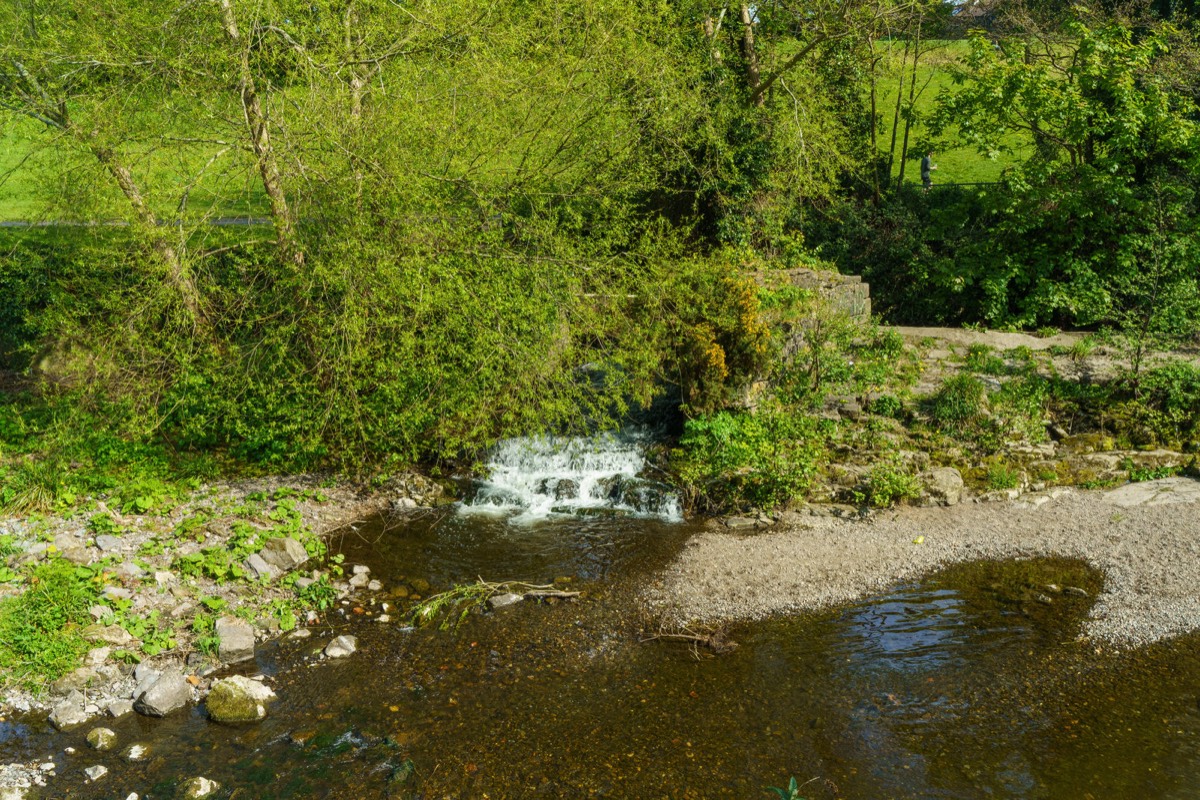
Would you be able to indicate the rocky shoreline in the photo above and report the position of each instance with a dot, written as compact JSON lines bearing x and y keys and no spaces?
{"x":155,"y":584}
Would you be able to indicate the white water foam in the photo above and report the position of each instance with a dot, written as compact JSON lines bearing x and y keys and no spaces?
{"x":539,"y":477}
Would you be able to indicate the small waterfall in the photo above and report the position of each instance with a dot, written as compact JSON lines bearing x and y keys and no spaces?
{"x":538,"y":477}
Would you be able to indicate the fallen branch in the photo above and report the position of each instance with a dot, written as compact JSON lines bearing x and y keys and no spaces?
{"x":716,"y":641}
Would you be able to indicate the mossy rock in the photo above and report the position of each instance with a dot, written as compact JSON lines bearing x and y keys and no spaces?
{"x":237,"y":700}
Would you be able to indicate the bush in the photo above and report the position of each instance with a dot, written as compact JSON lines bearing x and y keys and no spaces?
{"x":888,"y":483}
{"x":959,"y":402}
{"x":739,"y":461}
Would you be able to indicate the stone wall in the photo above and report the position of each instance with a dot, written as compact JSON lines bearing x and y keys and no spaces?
{"x":845,"y":293}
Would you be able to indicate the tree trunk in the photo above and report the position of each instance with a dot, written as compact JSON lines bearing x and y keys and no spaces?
{"x":752,"y":74}
{"x":896,"y":112}
{"x":912,"y":100}
{"x":178,"y":273}
{"x":260,"y":141}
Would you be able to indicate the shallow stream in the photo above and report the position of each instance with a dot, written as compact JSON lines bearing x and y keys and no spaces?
{"x":969,"y":684}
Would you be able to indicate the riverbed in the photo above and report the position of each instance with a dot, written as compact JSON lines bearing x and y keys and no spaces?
{"x":964,"y":684}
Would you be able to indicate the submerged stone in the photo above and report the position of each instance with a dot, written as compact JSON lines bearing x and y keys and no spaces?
{"x":102,"y":739}
{"x":198,"y":788}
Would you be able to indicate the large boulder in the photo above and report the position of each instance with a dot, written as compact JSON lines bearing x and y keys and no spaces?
{"x":284,"y":553}
{"x":942,"y":487}
{"x":235,"y":640}
{"x":238,"y":699}
{"x":170,"y":692}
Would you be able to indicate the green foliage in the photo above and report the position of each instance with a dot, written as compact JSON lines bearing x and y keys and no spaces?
{"x":888,"y":483}
{"x":792,"y":792}
{"x":981,"y":358}
{"x":319,"y":594}
{"x":958,"y":403}
{"x":886,"y":405}
{"x":740,"y":461}
{"x":40,"y":629}
{"x":1002,"y":476}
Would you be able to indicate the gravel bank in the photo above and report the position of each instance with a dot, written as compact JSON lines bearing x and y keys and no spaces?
{"x":1144,"y":538}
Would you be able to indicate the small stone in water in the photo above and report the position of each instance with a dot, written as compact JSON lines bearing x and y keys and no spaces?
{"x":96,"y":773}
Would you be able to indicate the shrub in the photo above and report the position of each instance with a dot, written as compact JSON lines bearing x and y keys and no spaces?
{"x":1002,"y":476}
{"x":959,"y":402}
{"x":738,"y":460}
{"x":888,"y":483}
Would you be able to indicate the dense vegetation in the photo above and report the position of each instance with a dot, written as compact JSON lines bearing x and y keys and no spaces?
{"x":490,"y":218}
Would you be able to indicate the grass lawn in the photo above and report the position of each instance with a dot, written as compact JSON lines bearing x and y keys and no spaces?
{"x":34,"y":162}
{"x":955,"y":164}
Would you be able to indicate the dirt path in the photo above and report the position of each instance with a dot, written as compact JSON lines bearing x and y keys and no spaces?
{"x":1144,"y":538}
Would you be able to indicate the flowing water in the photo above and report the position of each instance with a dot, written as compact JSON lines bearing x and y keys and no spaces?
{"x":961,"y":686}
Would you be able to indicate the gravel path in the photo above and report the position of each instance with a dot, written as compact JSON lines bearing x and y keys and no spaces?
{"x":1144,"y":538}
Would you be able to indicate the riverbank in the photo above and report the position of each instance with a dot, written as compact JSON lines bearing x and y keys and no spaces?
{"x":1143,"y":537}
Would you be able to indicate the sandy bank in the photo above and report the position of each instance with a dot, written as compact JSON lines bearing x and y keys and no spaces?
{"x":1144,"y":538}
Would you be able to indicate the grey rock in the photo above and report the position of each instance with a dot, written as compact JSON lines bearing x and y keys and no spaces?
{"x":119,"y":708}
{"x":943,"y":487}
{"x":97,"y":656}
{"x":65,"y":541}
{"x":169,"y":693}
{"x":235,"y":640}
{"x":740,"y":523}
{"x":108,"y":634}
{"x":1075,"y":591}
{"x":360,"y":580}
{"x":102,"y":739}
{"x":304,"y":583}
{"x":284,"y":553}
{"x":182,"y":610}
{"x":77,"y":555}
{"x":100,"y":612}
{"x":259,"y":566}
{"x":130,"y":571}
{"x":70,"y":713}
{"x":360,"y":569}
{"x":74,"y":680}
{"x":108,"y":543}
{"x":165,"y":579}
{"x":375,"y":586}
{"x":117,"y":593}
{"x":96,"y":773}
{"x":341,"y":647}
{"x":504,"y":600}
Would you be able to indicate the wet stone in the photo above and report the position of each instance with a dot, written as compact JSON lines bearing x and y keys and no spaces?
{"x":135,"y":752}
{"x":119,"y":708}
{"x":504,"y":600}
{"x":70,"y":713}
{"x":96,"y":773}
{"x":198,"y":788}
{"x":341,"y":647}
{"x":102,"y":739}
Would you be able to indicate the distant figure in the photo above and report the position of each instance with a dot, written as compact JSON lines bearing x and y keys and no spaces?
{"x":927,"y":167}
